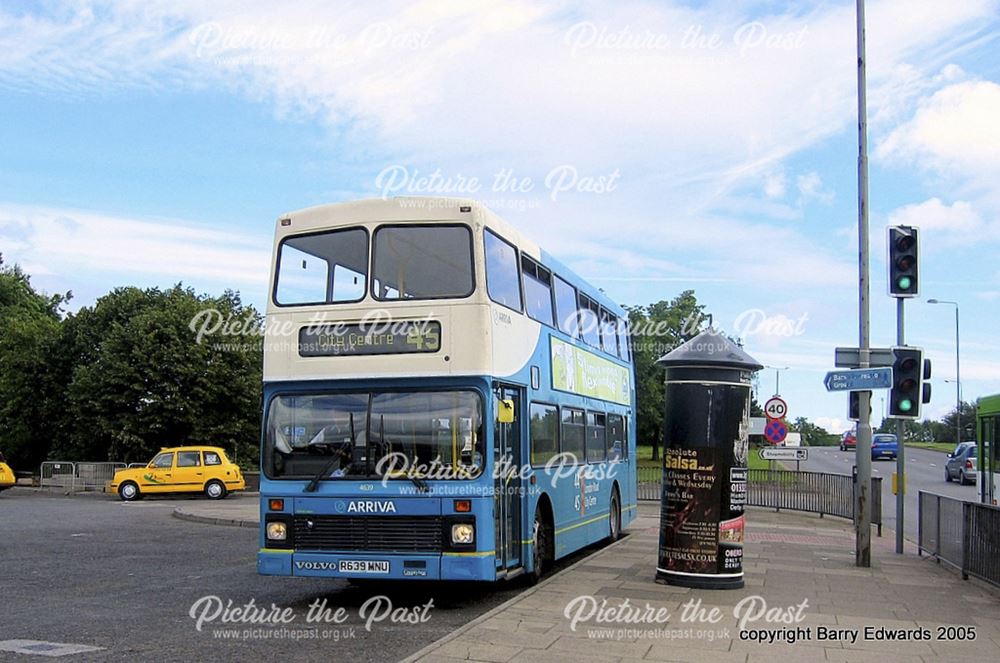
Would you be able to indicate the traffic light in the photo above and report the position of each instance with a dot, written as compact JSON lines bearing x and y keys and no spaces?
{"x":854,"y":406}
{"x":903,"y":258}
{"x":908,"y":392}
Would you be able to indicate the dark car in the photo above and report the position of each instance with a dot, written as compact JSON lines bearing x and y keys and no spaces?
{"x":961,"y":464}
{"x":848,"y":441}
{"x":884,"y":445}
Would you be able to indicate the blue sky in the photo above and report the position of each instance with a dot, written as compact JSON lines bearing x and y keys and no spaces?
{"x":709,"y":146}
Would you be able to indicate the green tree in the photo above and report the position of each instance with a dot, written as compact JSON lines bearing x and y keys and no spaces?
{"x":29,"y":331}
{"x":140,"y":378}
{"x":813,"y":435}
{"x":658,"y":329}
{"x":947,"y":430}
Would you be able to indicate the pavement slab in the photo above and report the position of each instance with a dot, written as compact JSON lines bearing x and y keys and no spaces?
{"x":790,"y":558}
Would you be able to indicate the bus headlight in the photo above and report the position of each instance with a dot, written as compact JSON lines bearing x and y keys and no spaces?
{"x":463,"y":534}
{"x":277,"y":531}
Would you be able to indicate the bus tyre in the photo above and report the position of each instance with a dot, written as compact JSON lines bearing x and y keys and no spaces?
{"x":540,"y":543}
{"x":615,"y":517}
{"x":128,"y":491}
{"x":214,"y":490}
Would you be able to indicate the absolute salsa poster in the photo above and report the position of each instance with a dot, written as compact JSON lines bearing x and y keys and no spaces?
{"x":690,"y":536}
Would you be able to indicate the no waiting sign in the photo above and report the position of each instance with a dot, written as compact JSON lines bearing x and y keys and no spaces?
{"x":776,"y":431}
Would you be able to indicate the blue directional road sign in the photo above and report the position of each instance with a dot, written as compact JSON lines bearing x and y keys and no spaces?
{"x":859,"y":379}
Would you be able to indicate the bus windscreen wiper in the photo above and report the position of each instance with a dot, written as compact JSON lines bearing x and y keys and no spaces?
{"x":384,"y":451}
{"x":311,"y":488}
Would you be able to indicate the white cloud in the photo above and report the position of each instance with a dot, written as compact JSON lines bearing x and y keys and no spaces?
{"x":835,"y":425}
{"x":954,"y":132}
{"x":959,"y":221}
{"x":774,"y":185}
{"x":811,"y":187}
{"x":74,"y":244}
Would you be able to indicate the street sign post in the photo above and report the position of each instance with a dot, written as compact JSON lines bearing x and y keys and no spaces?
{"x":785,"y":453}
{"x":859,"y":379}
{"x":775,"y":408}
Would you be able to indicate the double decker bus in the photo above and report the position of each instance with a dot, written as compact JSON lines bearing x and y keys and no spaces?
{"x":442,"y":399}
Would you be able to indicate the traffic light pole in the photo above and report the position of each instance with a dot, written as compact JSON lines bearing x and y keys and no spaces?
{"x":900,"y":447}
{"x":863,"y":452}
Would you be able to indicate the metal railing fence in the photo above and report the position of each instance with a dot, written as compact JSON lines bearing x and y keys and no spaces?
{"x":965,"y":535}
{"x":64,"y":475}
{"x":815,"y":492}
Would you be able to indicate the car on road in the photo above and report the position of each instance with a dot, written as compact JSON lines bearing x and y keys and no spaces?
{"x":192,"y":469}
{"x":961,"y":464}
{"x":7,"y":478}
{"x":884,"y":445}
{"x":848,"y":441}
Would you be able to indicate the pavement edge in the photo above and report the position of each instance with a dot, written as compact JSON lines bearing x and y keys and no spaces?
{"x":437,"y":644}
{"x":181,"y":514}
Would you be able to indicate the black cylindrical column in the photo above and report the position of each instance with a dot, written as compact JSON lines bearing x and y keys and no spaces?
{"x":706,"y":439}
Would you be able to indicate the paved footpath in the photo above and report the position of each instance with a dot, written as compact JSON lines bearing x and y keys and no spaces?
{"x":789,"y":558}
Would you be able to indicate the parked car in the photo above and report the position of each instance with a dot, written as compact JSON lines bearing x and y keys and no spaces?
{"x":961,"y":463}
{"x":848,"y":441}
{"x":884,"y":445}
{"x":7,"y":478}
{"x":194,"y":469}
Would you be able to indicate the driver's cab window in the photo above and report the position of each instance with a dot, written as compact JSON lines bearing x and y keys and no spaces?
{"x":163,"y":461}
{"x":189,"y":459}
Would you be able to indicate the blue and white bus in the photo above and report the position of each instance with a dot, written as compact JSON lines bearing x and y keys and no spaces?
{"x":442,"y":399}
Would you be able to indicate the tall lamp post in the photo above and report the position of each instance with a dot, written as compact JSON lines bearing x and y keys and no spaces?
{"x":777,"y":376}
{"x":958,"y":376}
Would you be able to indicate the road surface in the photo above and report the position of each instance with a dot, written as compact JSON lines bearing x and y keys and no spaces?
{"x":924,"y":469}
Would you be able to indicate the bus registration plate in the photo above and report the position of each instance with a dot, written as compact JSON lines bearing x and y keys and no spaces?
{"x":363,"y":566}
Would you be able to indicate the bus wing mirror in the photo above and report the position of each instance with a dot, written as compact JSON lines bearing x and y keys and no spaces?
{"x":505,"y":411}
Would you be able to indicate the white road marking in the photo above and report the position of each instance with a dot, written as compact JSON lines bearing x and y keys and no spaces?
{"x":40,"y":648}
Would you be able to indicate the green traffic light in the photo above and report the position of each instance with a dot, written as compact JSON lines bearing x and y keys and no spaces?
{"x":904,"y":282}
{"x":905,"y":405}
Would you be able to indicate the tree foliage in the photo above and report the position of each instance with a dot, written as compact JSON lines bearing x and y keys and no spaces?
{"x":122,"y":378}
{"x":29,"y":331}
{"x":658,"y":329}
{"x":943,"y":430}
{"x":139,"y":379}
{"x":812,"y":434}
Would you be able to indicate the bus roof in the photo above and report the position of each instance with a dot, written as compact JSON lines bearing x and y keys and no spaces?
{"x":430,"y":209}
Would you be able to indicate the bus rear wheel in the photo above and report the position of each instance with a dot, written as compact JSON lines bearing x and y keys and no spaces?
{"x":615,"y":518}
{"x":540,"y":546}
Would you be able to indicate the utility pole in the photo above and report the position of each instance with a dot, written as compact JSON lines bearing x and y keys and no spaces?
{"x":900,"y":447}
{"x":863,"y":452}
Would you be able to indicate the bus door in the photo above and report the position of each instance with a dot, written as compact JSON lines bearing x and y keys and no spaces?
{"x":507,"y":481}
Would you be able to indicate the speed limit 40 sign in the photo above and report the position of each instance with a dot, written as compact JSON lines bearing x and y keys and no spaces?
{"x":775,"y":408}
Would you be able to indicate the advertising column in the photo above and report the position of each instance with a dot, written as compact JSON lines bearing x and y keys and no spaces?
{"x":706,"y":441}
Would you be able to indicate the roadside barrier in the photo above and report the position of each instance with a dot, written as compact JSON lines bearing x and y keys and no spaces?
{"x":814,"y":492}
{"x":964,"y":535}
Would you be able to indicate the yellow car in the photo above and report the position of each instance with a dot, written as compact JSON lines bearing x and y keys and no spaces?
{"x":7,"y":478}
{"x":180,"y":470}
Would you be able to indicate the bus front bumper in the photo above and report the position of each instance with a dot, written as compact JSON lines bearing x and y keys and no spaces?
{"x":378,"y":566}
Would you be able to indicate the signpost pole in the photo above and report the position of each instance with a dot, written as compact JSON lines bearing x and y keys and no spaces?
{"x":863,"y":538}
{"x":900,"y":447}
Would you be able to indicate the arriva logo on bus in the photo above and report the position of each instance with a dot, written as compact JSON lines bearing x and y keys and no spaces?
{"x":366,"y":506}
